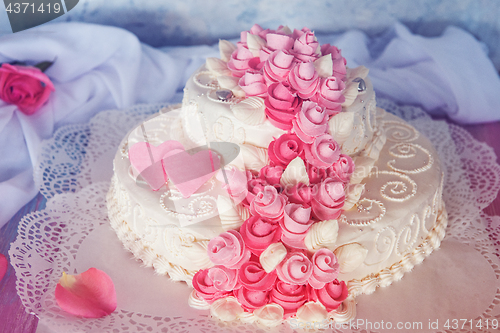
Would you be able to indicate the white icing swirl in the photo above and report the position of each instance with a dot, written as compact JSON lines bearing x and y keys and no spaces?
{"x":226,"y":48}
{"x":272,"y":256}
{"x":294,"y":173}
{"x":226,"y":309}
{"x":345,"y":312}
{"x":251,"y":110}
{"x":197,"y":302}
{"x":340,"y":126}
{"x":353,"y":194}
{"x":231,"y":217}
{"x":217,"y":67}
{"x":312,"y":312}
{"x":350,"y":256}
{"x":322,"y":235}
{"x":270,"y":315}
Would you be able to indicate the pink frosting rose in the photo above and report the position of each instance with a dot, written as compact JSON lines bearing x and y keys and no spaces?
{"x":275,"y":41}
{"x":306,"y":47}
{"x":328,"y":199}
{"x":277,"y":66}
{"x":271,"y":174}
{"x":236,"y":185}
{"x":323,"y":152}
{"x":26,"y":87}
{"x":325,"y":268}
{"x":281,"y":105}
{"x":215,"y":282}
{"x":339,"y":62}
{"x":284,"y":149}
{"x":242,"y":60}
{"x":299,"y":194}
{"x":228,"y":249}
{"x":253,"y":277}
{"x":289,"y":296}
{"x":268,"y":204}
{"x":329,"y":94}
{"x":331,"y":295}
{"x":310,"y":122}
{"x":252,"y":299}
{"x":316,"y":175}
{"x":296,"y":268}
{"x":342,"y":169}
{"x":295,"y":224}
{"x":258,"y":234}
{"x":304,"y":79}
{"x":255,"y":186}
{"x":254,"y":30}
{"x":253,"y":84}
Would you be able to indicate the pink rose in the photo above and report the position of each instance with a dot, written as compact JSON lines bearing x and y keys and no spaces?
{"x":236,"y":185}
{"x":299,"y":194}
{"x":253,"y":84}
{"x":306,"y":47}
{"x":316,"y":175}
{"x":253,"y":277}
{"x":296,"y":268}
{"x":258,"y":234}
{"x":329,"y":95}
{"x":339,"y":62}
{"x":242,"y":60}
{"x":310,"y":122}
{"x":255,"y":186}
{"x":254,"y":30}
{"x":342,"y":169}
{"x":325,"y":268}
{"x":331,"y":295}
{"x":323,"y":152}
{"x":304,"y":79}
{"x":215,"y":282}
{"x":289,"y":296}
{"x":271,"y":174}
{"x":281,"y":105}
{"x":295,"y":224}
{"x":279,"y":41}
{"x":268,"y":204}
{"x":277,"y":66}
{"x":275,"y":41}
{"x":328,"y":199}
{"x":252,"y":299}
{"x":228,"y":249}
{"x":26,"y":87}
{"x":284,"y":149}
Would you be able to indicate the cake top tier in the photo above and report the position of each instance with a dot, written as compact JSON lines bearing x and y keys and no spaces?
{"x":277,"y":81}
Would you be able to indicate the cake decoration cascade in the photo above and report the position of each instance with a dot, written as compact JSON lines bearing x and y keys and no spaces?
{"x":318,"y":206}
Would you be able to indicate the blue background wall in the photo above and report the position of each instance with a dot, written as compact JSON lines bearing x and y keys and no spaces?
{"x":183,"y":22}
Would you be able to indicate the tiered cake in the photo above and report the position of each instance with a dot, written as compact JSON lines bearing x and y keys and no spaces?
{"x":278,"y":189}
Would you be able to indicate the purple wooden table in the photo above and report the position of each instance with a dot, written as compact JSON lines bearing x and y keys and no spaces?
{"x":14,"y":319}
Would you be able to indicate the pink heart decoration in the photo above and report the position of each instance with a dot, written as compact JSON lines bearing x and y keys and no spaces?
{"x":147,"y":161}
{"x":190,"y":172}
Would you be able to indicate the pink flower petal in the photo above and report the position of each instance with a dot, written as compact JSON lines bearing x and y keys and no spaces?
{"x":90,"y":294}
{"x":3,"y":266}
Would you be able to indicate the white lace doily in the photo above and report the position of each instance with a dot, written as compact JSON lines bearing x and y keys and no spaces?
{"x":459,"y":282}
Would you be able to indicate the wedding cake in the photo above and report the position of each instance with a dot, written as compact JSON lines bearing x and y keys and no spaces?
{"x":278,"y":190}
